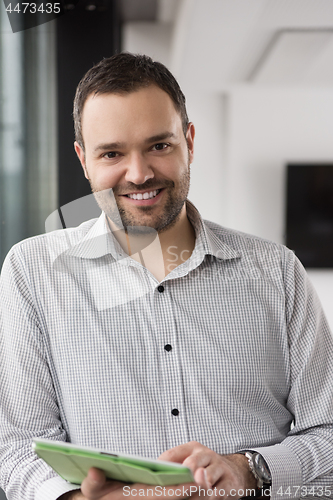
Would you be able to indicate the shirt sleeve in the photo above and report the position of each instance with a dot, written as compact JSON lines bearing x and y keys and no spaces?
{"x":302,"y":465}
{"x":28,"y":404}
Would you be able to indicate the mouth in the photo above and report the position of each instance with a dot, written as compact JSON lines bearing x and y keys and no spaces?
{"x":144,"y":197}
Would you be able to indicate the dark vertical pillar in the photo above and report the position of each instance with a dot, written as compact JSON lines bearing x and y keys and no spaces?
{"x":84,"y":37}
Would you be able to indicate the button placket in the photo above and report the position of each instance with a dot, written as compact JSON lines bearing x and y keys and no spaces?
{"x":173,"y":394}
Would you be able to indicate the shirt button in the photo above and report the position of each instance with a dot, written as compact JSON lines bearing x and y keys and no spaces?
{"x":160,"y":288}
{"x":175,"y":412}
{"x":168,"y":347}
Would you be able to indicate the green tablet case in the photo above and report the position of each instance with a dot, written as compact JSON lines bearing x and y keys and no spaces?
{"x":72,"y":463}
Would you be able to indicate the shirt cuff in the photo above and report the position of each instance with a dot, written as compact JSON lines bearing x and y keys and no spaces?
{"x":285,"y":470}
{"x":54,"y":488}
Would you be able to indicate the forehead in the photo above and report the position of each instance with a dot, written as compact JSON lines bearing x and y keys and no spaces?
{"x":118,"y":117}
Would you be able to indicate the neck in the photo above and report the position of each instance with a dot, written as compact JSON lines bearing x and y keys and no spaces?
{"x":178,"y":242}
{"x":159,"y":255}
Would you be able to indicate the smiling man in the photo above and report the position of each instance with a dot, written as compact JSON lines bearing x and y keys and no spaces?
{"x":221,"y":361}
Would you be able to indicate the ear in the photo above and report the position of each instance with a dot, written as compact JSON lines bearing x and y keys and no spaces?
{"x":80,"y":153}
{"x":190,"y":140}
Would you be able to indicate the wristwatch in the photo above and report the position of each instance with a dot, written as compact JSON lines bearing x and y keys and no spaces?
{"x":259,"y":468}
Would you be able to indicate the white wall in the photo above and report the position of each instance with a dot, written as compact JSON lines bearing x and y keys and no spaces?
{"x":151,"y":38}
{"x":267,"y":129}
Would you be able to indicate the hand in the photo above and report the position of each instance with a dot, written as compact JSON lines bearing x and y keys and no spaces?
{"x":226,"y":474}
{"x":96,"y":487}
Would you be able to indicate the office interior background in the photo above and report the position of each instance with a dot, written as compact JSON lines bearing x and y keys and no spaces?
{"x":258,"y":77}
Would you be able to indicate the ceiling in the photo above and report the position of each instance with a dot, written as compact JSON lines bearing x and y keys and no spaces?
{"x":258,"y":42}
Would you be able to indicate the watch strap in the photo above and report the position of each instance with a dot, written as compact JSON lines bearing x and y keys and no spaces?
{"x":254,"y":458}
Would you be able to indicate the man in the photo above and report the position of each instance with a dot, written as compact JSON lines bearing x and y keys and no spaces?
{"x":108,"y":342}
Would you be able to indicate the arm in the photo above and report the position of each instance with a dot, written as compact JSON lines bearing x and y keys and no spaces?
{"x":304,"y":458}
{"x":28,"y":403}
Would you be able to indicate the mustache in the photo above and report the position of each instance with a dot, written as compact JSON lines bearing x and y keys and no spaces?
{"x":150,"y":185}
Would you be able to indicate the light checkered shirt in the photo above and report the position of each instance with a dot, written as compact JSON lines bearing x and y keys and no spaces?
{"x":94,"y":351}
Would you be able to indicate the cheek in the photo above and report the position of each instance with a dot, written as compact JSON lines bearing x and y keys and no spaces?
{"x":105,"y":178}
{"x":172,"y":167}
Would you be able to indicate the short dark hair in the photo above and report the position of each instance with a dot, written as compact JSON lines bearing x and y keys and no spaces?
{"x":125,"y":73}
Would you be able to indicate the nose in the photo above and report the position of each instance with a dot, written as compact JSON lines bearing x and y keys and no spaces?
{"x":138,"y":169}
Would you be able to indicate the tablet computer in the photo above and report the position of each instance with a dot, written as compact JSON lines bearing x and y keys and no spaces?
{"x":72,"y":463}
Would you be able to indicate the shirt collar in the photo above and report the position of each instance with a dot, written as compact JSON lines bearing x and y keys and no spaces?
{"x":207,"y":242}
{"x":99,"y":240}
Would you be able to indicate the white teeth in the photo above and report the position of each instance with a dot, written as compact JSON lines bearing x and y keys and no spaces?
{"x":144,"y":196}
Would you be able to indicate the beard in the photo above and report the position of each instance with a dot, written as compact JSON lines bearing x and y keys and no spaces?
{"x":145,"y":220}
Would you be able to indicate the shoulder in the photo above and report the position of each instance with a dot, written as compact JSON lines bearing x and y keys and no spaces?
{"x":40,"y":251}
{"x":260,"y":258}
{"x":264,"y":262}
{"x":248,"y":244}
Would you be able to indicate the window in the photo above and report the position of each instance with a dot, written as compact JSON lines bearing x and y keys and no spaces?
{"x":28,"y":159}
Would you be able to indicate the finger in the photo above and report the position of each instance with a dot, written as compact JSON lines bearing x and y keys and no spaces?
{"x":96,"y":475}
{"x":213,"y":473}
{"x":179,"y":453}
{"x":95,"y":486}
{"x":200,"y":458}
{"x":201,"y":478}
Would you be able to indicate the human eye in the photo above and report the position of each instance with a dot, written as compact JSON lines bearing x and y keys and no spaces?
{"x":160,"y":146}
{"x":110,"y":155}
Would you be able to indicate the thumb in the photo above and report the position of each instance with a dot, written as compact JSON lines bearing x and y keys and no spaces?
{"x":93,"y":485}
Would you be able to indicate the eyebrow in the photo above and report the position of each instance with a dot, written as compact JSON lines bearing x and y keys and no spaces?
{"x":160,"y":137}
{"x":111,"y":146}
